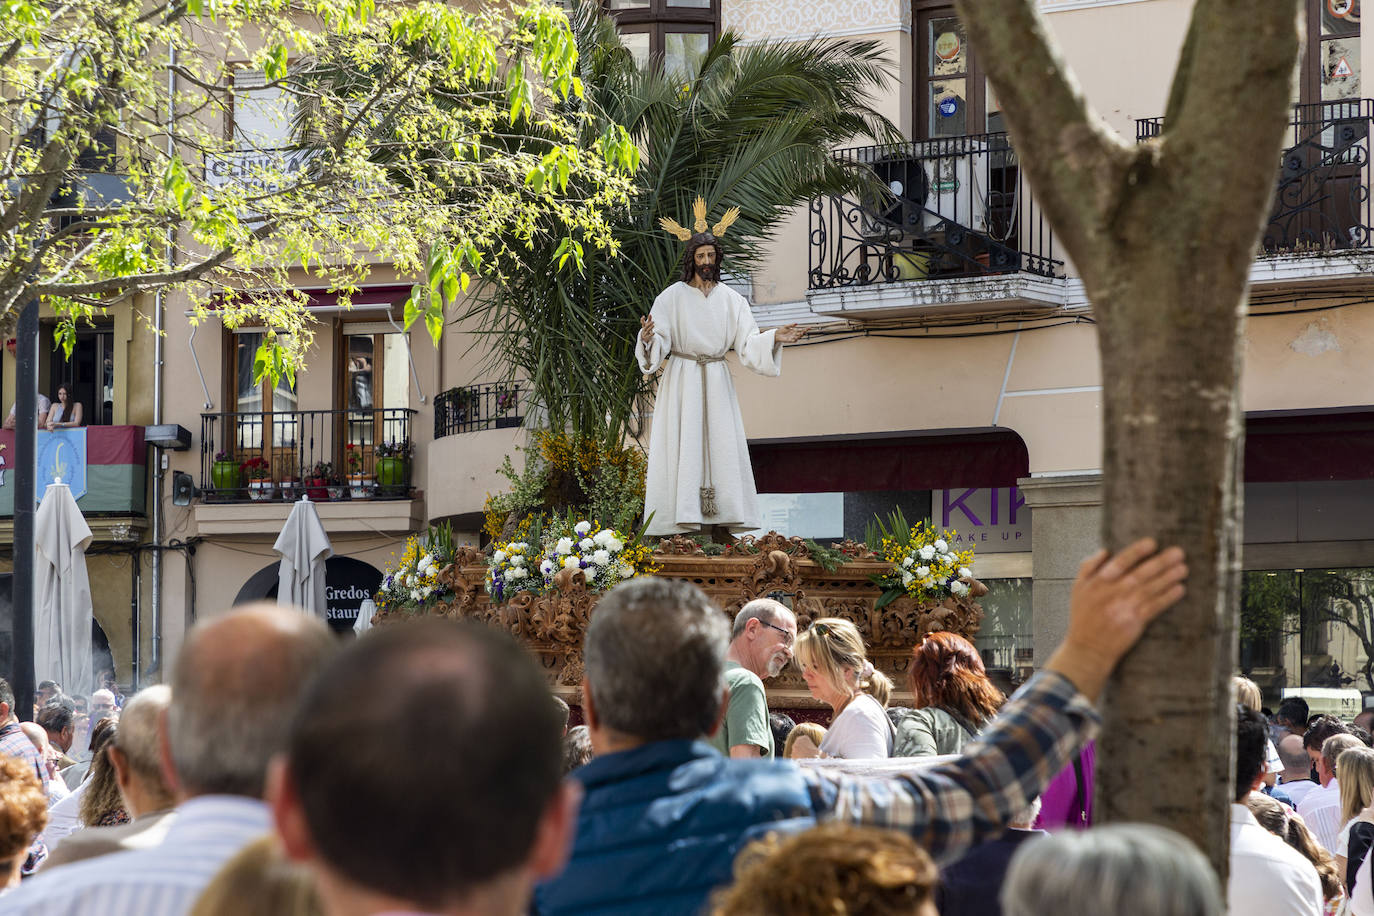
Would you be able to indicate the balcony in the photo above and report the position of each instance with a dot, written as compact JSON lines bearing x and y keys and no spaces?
{"x":476,"y":429}
{"x":956,"y":230}
{"x":269,"y":456}
{"x":477,"y":407}
{"x":110,"y":482}
{"x":1321,"y":215}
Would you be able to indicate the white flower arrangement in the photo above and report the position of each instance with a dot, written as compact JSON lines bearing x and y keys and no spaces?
{"x":923,"y":565}
{"x":509,"y":570}
{"x":604,"y":555}
{"x":412,"y":582}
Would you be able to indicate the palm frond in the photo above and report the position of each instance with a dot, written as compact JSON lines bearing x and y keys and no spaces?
{"x":753,"y":129}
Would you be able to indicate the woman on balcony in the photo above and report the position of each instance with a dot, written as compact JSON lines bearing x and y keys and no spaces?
{"x":65,"y":412}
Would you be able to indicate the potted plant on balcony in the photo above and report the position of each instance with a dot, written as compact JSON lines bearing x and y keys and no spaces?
{"x":507,"y":399}
{"x":317,"y":481}
{"x":260,"y":486}
{"x":336,"y":485}
{"x":290,"y":485}
{"x":225,"y":473}
{"x":359,"y":483}
{"x":393,"y":466}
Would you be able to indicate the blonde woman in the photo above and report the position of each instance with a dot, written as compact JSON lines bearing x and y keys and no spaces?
{"x":1284,"y":823}
{"x":804,"y":740}
{"x":1355,"y":775}
{"x":838,"y":673}
{"x":1248,"y":695}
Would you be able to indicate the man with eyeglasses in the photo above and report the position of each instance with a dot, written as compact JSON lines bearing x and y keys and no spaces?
{"x":760,"y":647}
{"x":664,"y":815}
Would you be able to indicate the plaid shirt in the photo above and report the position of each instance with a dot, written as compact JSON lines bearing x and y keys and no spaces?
{"x":14,"y":743}
{"x":951,"y":807}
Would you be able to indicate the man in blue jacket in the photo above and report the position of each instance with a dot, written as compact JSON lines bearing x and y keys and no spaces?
{"x":663,"y":814}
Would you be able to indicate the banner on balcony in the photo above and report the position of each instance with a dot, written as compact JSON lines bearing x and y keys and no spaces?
{"x":104,"y":466}
{"x":61,"y":455}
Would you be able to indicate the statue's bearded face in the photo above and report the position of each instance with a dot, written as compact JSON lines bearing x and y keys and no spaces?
{"x":704,"y":258}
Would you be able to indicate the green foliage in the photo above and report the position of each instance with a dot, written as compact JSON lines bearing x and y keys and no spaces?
{"x":402,"y":155}
{"x":566,"y":478}
{"x":895,"y":529}
{"x":708,"y":546}
{"x":439,"y":540}
{"x":827,"y":558}
{"x":753,"y":128}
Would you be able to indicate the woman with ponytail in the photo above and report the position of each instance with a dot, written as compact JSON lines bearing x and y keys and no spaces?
{"x":837,"y":672}
{"x":954,"y":697}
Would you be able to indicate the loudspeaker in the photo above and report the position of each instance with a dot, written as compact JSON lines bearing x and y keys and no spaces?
{"x":183,"y":489}
{"x":909,"y":188}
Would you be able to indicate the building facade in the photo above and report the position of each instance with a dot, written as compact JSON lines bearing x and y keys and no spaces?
{"x":952,"y":369}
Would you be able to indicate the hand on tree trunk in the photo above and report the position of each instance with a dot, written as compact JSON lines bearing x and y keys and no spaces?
{"x":1114,"y":598}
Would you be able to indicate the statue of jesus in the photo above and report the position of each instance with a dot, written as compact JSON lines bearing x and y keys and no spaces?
{"x":699,"y":476}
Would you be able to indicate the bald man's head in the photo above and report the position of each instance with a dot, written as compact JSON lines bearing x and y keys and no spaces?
{"x":1296,"y":764}
{"x":234,"y":688}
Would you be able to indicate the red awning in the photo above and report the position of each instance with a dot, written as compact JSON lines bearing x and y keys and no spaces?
{"x":976,"y":458}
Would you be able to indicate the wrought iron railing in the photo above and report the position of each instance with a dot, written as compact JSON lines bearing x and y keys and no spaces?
{"x":327,"y":454}
{"x":477,"y":407}
{"x":954,"y":207}
{"x":1322,"y":202}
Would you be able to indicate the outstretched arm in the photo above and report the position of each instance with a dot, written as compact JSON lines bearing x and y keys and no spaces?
{"x":949,"y":807}
{"x":789,"y":334}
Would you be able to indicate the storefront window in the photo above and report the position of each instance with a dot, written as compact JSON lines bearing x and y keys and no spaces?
{"x":1004,"y":640}
{"x":1309,"y":628}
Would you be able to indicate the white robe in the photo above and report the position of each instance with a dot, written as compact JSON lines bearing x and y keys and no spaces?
{"x":689,"y":323}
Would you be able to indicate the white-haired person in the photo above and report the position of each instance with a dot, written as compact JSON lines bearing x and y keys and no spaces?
{"x":1122,"y":869}
{"x":838,"y":673}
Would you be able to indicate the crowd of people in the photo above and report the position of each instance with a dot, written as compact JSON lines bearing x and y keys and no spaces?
{"x":427,"y":768}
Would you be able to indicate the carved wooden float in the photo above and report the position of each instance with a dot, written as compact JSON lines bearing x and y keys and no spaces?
{"x":552,"y":625}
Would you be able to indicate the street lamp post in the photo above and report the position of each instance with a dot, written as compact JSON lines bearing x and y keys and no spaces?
{"x":25,"y":441}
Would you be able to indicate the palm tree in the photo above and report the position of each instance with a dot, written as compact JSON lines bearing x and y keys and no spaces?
{"x":753,"y":128}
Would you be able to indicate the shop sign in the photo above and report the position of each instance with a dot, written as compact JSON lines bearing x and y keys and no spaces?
{"x":347,"y":583}
{"x":989,"y":519}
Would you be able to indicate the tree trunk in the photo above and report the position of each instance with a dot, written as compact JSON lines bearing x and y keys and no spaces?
{"x":1163,"y":235}
{"x":1172,"y":439}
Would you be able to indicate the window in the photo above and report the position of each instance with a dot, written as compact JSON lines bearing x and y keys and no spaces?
{"x":676,"y":32}
{"x":1307,"y":628}
{"x":265,"y":417}
{"x":261,"y":115}
{"x":374,"y":384}
{"x":953,"y":98}
{"x":1331,"y":72}
{"x":260,"y":128}
{"x":88,"y":373}
{"x":1005,"y":639}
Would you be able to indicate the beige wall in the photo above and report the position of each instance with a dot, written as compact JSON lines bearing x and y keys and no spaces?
{"x":1123,"y":55}
{"x":1046,"y":389}
{"x":1318,"y":359}
{"x":465,"y":468}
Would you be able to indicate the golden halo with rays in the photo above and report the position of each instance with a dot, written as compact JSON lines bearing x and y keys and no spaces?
{"x":699,"y":223}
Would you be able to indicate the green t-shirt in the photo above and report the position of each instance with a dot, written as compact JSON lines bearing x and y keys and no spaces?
{"x":746,"y":718}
